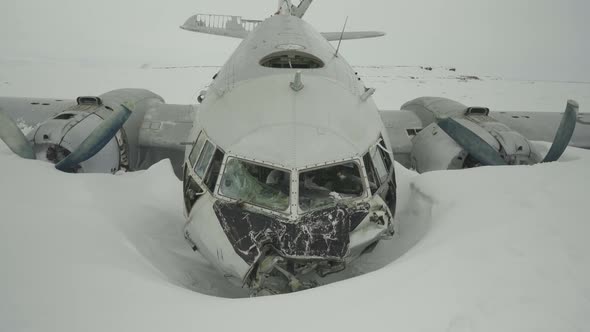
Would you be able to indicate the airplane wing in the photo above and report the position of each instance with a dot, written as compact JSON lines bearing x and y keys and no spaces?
{"x":349,"y":35}
{"x":542,"y":126}
{"x":164,"y":135}
{"x":153,"y":132}
{"x":220,"y":25}
{"x":507,"y":132}
{"x":29,"y":112}
{"x":401,"y":127}
{"x":238,"y":27}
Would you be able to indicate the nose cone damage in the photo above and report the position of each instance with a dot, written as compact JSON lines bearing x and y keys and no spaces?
{"x":287,"y":256}
{"x":323,"y":234}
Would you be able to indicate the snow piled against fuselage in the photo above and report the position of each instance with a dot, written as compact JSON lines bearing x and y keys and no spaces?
{"x":487,"y":249}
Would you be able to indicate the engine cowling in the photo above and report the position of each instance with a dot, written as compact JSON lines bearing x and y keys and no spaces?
{"x":434,"y":149}
{"x":56,"y":138}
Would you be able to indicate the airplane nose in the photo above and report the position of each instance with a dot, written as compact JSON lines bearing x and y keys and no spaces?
{"x":322,"y":234}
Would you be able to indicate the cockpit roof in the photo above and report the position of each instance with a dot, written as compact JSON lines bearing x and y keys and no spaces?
{"x":323,"y":122}
{"x":251,"y":109}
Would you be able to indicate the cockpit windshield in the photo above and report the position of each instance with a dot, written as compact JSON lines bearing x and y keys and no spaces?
{"x":256,"y":184}
{"x":325,"y":186}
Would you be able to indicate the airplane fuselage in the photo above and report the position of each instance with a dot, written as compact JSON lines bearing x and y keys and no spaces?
{"x":290,"y":163}
{"x":288,"y":166}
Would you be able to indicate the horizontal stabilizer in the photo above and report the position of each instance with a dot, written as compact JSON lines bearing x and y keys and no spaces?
{"x":237,"y":27}
{"x":332,"y":36}
{"x":220,"y":25}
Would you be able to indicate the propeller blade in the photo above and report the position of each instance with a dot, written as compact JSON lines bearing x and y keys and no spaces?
{"x":14,"y":137}
{"x":97,"y":140}
{"x":564,"y":133}
{"x":479,"y":149}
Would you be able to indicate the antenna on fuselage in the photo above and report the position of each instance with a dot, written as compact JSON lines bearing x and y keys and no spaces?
{"x":341,"y":36}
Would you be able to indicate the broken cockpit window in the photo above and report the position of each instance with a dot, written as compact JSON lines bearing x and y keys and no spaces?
{"x":256,"y":184}
{"x":384,"y":153}
{"x":371,"y":173}
{"x":326,"y":186}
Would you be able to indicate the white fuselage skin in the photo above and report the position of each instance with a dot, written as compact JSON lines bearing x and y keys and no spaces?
{"x":251,"y":112}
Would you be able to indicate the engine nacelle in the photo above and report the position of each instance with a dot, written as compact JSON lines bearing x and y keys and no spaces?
{"x":56,"y":138}
{"x":433,"y":149}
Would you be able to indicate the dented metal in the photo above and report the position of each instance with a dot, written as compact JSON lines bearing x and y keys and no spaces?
{"x":323,"y":234}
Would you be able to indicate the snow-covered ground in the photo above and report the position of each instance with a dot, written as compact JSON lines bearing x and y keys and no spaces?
{"x":488,"y":249}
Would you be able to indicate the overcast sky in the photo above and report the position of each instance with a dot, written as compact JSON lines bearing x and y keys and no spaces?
{"x":532,"y":39}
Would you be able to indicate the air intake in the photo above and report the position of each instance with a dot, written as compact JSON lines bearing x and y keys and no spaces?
{"x":86,"y":100}
{"x":291,"y":60}
{"x":477,"y":111}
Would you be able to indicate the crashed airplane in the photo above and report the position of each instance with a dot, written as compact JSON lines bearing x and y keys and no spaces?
{"x":287,"y":162}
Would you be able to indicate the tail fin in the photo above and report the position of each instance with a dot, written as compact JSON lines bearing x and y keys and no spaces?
{"x":237,"y":27}
{"x":286,"y":7}
{"x":300,"y":10}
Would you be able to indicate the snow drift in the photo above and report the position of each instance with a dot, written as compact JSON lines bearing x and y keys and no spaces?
{"x":488,"y":249}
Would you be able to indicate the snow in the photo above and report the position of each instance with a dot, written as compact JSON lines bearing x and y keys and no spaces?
{"x":488,"y":249}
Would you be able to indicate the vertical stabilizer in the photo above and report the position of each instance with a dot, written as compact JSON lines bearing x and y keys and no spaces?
{"x":286,"y":7}
{"x":300,"y":10}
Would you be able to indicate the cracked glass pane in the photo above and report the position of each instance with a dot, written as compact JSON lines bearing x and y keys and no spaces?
{"x":326,"y":186}
{"x":256,"y":184}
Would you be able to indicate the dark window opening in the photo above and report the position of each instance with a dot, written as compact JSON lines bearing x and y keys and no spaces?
{"x":55,"y":153}
{"x":413,"y":132}
{"x":292,"y":60}
{"x":477,"y":111}
{"x":89,"y":100}
{"x":192,"y":191}
{"x":65,"y":116}
{"x":391,"y":197}
{"x":386,"y":157}
{"x":213,"y":171}
{"x":371,"y":174}
{"x":471,"y":162}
